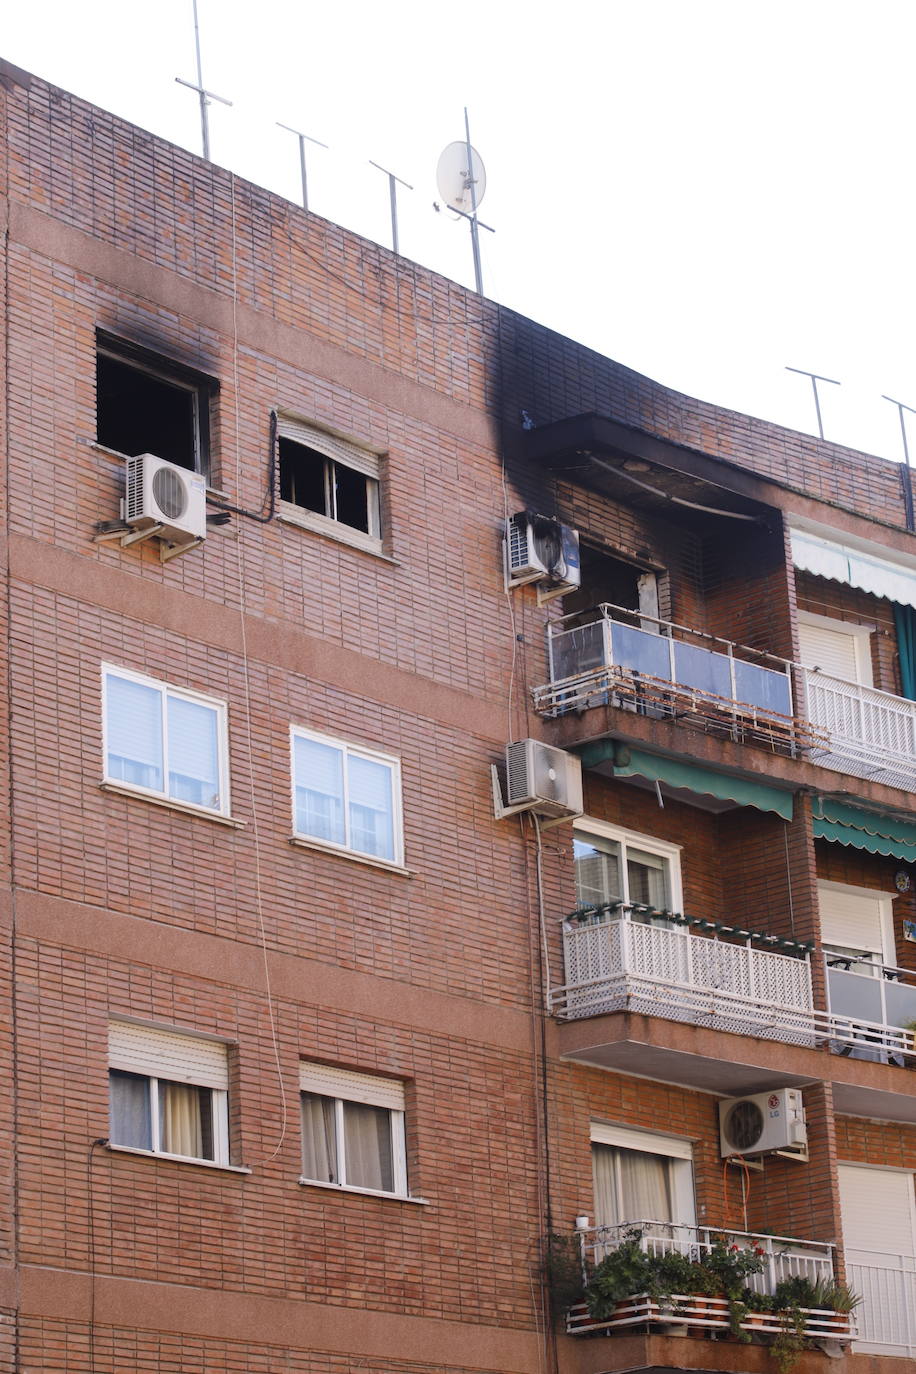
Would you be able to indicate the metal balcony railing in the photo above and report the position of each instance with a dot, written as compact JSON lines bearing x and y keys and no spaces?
{"x":886,"y":1317}
{"x":658,"y":668}
{"x":783,"y":1257}
{"x":872,"y":1009}
{"x":613,"y":963}
{"x":869,"y":733}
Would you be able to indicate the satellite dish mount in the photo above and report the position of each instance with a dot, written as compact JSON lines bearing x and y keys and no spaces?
{"x":462,"y":181}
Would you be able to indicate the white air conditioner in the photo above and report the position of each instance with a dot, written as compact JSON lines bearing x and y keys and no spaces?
{"x":763,"y":1123}
{"x":540,"y":549}
{"x":543,"y":779}
{"x":160,"y":493}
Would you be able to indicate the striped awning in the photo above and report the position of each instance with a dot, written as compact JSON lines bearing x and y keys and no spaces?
{"x":875,"y":831}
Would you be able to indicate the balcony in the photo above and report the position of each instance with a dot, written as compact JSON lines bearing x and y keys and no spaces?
{"x":659,"y":669}
{"x":886,"y":1319}
{"x":613,"y":963}
{"x":870,"y":734}
{"x":872,"y":1010}
{"x":782,"y":1258}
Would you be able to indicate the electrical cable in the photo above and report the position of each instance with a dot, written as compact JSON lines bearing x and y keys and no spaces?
{"x":90,"y":1239}
{"x":271,"y":470}
{"x":666,"y":496}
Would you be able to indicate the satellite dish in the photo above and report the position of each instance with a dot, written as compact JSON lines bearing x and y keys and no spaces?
{"x":456,"y":180}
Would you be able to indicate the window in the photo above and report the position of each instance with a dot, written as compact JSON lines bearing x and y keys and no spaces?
{"x":148,"y":404}
{"x":614,"y":865}
{"x":165,"y":742}
{"x":640,"y":1176}
{"x":352,"y":1130}
{"x":168,"y":1093}
{"x":347,"y":797}
{"x":329,"y":485}
{"x":837,"y":648}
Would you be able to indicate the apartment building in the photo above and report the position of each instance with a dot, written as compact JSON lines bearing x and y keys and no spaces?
{"x":323,"y":1047}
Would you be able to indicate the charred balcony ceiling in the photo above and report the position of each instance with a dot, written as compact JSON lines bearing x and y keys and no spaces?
{"x":640,"y":470}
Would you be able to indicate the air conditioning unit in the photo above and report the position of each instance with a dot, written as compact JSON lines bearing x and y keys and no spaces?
{"x":540,"y":549}
{"x":160,"y":493}
{"x":543,"y":779}
{"x":763,"y":1123}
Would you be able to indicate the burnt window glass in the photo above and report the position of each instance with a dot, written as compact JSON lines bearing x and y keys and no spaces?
{"x":317,"y":482}
{"x":145,"y":406}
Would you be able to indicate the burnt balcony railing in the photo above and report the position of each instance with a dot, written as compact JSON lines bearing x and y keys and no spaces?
{"x":615,"y":656}
{"x":613,"y":963}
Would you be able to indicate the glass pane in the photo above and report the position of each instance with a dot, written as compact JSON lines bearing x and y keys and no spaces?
{"x":762,"y":687}
{"x":367,"y":1133}
{"x":141,"y":413}
{"x":193,"y":752}
{"x":318,"y":770}
{"x":703,"y":669}
{"x":597,"y":864}
{"x":648,"y":879}
{"x":371,"y":807}
{"x":319,"y":1139}
{"x":134,"y":724}
{"x":130,"y":1120}
{"x":638,"y":649}
{"x":352,"y":497}
{"x":645,"y":1186}
{"x":302,"y":476}
{"x":185,"y":1120}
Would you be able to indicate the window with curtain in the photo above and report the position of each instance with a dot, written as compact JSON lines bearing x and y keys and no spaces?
{"x":639,"y":1176}
{"x":167,"y":1093}
{"x":346,"y":796}
{"x":164,"y":741}
{"x":352,"y":1130}
{"x":613,"y":865}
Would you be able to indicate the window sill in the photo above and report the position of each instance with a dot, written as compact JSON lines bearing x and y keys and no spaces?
{"x":363,"y":1192}
{"x":289,"y":514}
{"x":300,"y":842}
{"x":177,"y":1159}
{"x":123,"y":790}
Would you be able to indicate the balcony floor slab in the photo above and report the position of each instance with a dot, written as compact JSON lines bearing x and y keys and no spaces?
{"x":732,"y":1065}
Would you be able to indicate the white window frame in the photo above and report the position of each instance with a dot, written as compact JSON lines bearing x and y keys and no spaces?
{"x":860,"y":636}
{"x":219,"y":1105}
{"x":354,"y":751}
{"x":360,"y":460}
{"x":584,"y":826}
{"x":167,"y":690}
{"x":887,"y":954}
{"x":318,"y":1080}
{"x":675,"y":1149}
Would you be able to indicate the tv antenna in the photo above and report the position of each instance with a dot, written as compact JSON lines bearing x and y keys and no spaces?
{"x":204,"y":95}
{"x":393,"y":184}
{"x":814,"y":381}
{"x":907,"y":475}
{"x":303,"y":139}
{"x":462,"y":181}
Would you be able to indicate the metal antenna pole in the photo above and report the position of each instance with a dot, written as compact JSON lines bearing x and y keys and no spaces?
{"x":393,"y":184}
{"x":204,"y":95}
{"x":303,"y":138}
{"x":472,"y":187}
{"x":814,"y":381}
{"x":906,"y":472}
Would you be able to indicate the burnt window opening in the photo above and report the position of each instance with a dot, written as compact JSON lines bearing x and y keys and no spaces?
{"x":145,"y":404}
{"x":614,"y":581}
{"x":330,"y":488}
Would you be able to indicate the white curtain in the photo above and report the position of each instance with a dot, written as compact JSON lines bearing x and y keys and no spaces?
{"x":371,"y":829}
{"x":367,"y":1132}
{"x":319,"y":790}
{"x":630,"y":1186}
{"x":130,"y":1121}
{"x":319,"y":1139}
{"x":185,"y":1120}
{"x":193,"y":752}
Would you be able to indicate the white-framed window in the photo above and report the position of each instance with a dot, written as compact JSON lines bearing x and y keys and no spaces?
{"x":857,"y":927}
{"x":329,"y":485}
{"x":836,"y":648}
{"x":615,"y":865}
{"x":168,"y":1093}
{"x":352,"y":1130}
{"x":146,"y":403}
{"x":164,"y":741}
{"x":346,"y":796}
{"x":641,"y":1176}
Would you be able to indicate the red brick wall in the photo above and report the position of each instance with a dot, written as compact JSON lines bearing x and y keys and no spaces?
{"x":823,"y":597}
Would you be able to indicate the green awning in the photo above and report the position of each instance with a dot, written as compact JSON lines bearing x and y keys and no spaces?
{"x":875,"y":831}
{"x":691,"y":777}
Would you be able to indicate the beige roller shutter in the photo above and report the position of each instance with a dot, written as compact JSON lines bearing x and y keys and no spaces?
{"x":851,"y":920}
{"x":353,"y":1087}
{"x":359,"y":459}
{"x":877,"y":1207}
{"x":167,"y":1054}
{"x":833,"y":652}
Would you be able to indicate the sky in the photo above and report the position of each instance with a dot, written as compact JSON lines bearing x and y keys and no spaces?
{"x":707,"y":192}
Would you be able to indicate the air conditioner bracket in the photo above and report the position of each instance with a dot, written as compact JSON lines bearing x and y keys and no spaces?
{"x":501,"y":811}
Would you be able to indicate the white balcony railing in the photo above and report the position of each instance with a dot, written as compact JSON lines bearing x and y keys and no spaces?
{"x":870,"y":734}
{"x":886,"y":1316}
{"x":615,"y":964}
